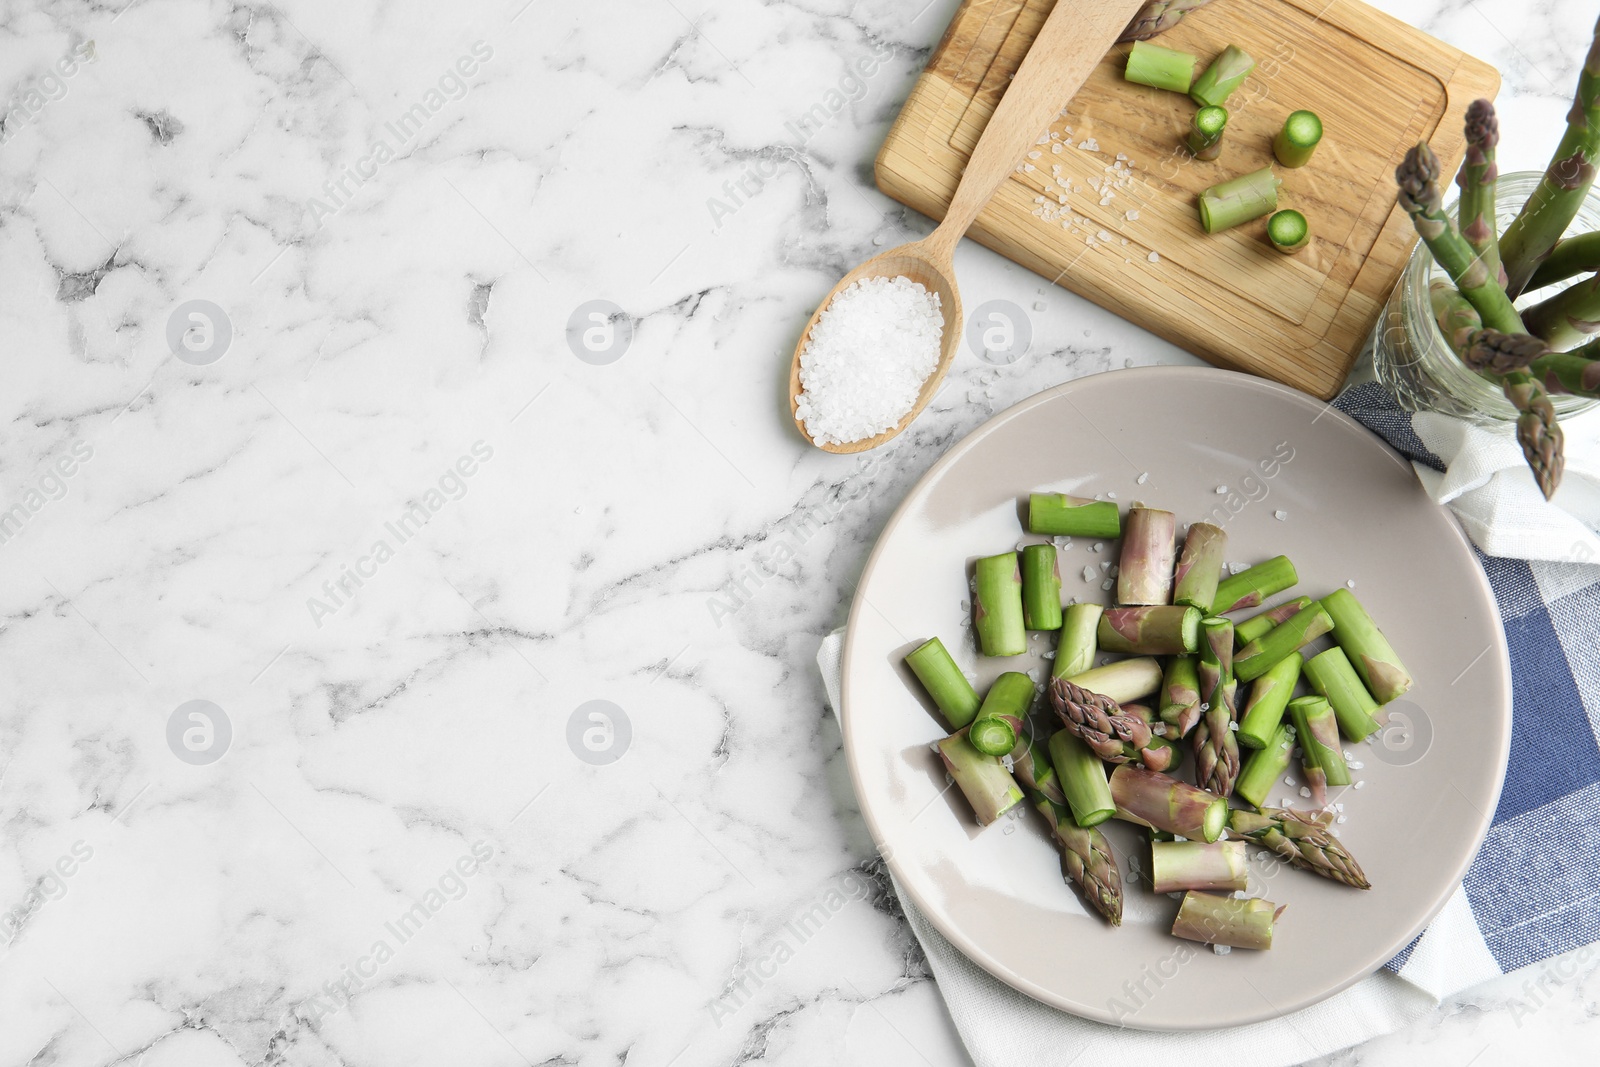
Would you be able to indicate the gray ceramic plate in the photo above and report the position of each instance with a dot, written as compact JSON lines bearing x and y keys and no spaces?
{"x":1300,"y":479}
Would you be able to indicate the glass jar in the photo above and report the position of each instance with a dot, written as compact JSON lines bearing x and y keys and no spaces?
{"x":1410,"y":355}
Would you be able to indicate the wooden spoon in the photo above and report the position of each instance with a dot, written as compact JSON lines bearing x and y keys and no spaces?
{"x":1074,"y":38}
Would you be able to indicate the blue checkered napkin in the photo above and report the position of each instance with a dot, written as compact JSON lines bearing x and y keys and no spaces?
{"x":1534,"y":890}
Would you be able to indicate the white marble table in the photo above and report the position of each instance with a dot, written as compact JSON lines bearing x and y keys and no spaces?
{"x":379,"y":515}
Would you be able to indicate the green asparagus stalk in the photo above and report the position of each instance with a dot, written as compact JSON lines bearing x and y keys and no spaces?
{"x":1000,"y":720}
{"x":1454,"y":313}
{"x":1179,"y":865}
{"x":1251,"y":586}
{"x":1418,"y":178}
{"x":1180,"y":696}
{"x":1256,"y":658}
{"x":1161,"y":68}
{"x":1081,"y":776}
{"x":1554,"y":204}
{"x":1238,"y":200}
{"x":1269,"y":696}
{"x":1302,"y":838}
{"x":1332,"y":677}
{"x":1144,"y":574}
{"x":1150,"y":630}
{"x":1099,"y":722}
{"x":1215,"y":665}
{"x":1204,"y":140}
{"x":1477,"y":179}
{"x":1257,"y":625}
{"x":1060,"y":515}
{"x":997,"y":606}
{"x":1567,"y":318}
{"x":1041,"y":587}
{"x":1225,"y":74}
{"x":1031,"y":767}
{"x":1158,"y":16}
{"x":1075,"y":651}
{"x":984,"y":780}
{"x":1086,"y":859}
{"x":1200,"y":566}
{"x":1320,"y":756}
{"x":1148,"y":798}
{"x":1368,"y":650}
{"x":1214,"y":740}
{"x":1543,"y":443}
{"x":1265,"y":766}
{"x":1501,"y":353}
{"x":1572,"y":256}
{"x":1569,"y":372}
{"x":1123,"y":681}
{"x":1215,"y":920}
{"x":1288,"y":231}
{"x":945,"y":683}
{"x":1298,"y":138}
{"x":1216,"y":744}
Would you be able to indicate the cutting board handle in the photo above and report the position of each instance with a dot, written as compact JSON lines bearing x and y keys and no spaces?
{"x":1074,"y":38}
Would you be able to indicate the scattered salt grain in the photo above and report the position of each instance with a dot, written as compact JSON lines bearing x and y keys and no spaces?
{"x":1111,"y":496}
{"x":1107,"y":584}
{"x":1089,"y":574}
{"x":1098,"y":545}
{"x":1154,"y":257}
{"x":1103,"y":236}
{"x":1131,"y":216}
{"x":1357,"y":765}
{"x":1280,"y":515}
{"x":1176,"y":896}
{"x":1221,"y":489}
{"x":1347,"y":756}
{"x":1341,"y":818}
{"x":1361,"y":785}
{"x":847,"y":398}
{"x":1233,"y":726}
{"x":1105,"y":565}
{"x":1011,"y":828}
{"x":1006,"y":761}
{"x":1038,"y":305}
{"x":1304,"y":791}
{"x":1351,"y":584}
{"x":1288,"y":781}
{"x":1145,"y":477}
{"x":1221,"y":950}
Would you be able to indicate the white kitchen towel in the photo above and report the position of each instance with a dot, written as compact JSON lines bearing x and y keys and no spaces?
{"x":1479,"y":472}
{"x":1002,"y":1027}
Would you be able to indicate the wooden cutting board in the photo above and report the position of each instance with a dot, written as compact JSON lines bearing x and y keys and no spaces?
{"x":1128,"y":236}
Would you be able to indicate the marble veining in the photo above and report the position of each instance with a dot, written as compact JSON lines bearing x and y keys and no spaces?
{"x":394,"y":434}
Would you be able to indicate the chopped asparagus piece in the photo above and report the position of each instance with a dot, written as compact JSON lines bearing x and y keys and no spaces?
{"x":1161,"y":68}
{"x":1082,"y":779}
{"x":1215,"y":920}
{"x":984,"y":780}
{"x":1250,"y":587}
{"x":1298,"y":139}
{"x":1144,"y":575}
{"x":1269,"y":696}
{"x":1238,"y":200}
{"x":1258,"y":657}
{"x":997,"y":606}
{"x":1265,"y":766}
{"x":1000,"y":720}
{"x":945,"y":683}
{"x":1331,"y":675}
{"x":1150,"y":630}
{"x":1369,"y":651}
{"x":1179,"y":865}
{"x":1075,"y":651}
{"x":1041,"y":588}
{"x":1123,"y":681}
{"x":1149,"y":798}
{"x":1225,"y":74}
{"x":1256,"y":625}
{"x":1060,"y":515}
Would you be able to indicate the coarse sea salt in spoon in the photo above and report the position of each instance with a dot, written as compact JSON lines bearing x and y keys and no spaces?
{"x":1072,"y":40}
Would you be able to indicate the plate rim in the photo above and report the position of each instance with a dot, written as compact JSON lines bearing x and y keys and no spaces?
{"x":975,"y":952}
